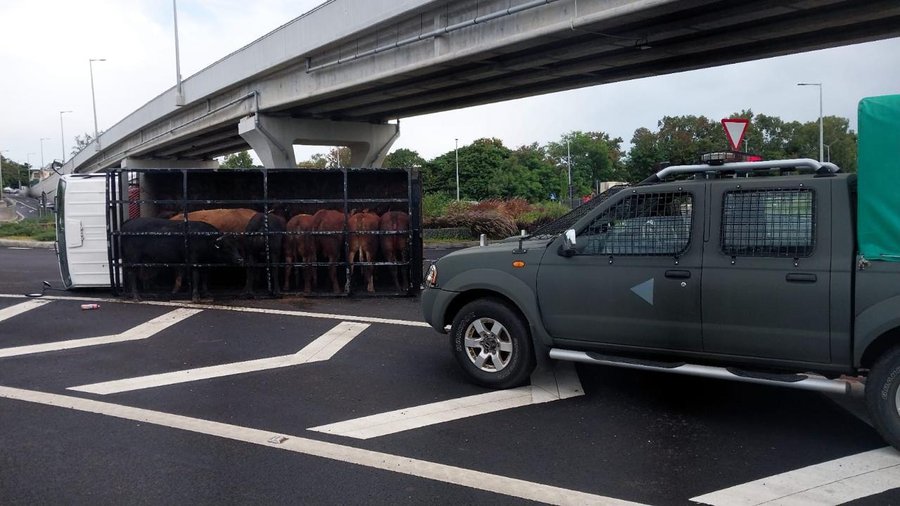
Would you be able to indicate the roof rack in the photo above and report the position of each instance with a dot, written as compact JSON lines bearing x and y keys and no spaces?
{"x":820,"y":168}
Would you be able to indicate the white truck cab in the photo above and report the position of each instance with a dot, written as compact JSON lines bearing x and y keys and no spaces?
{"x":81,"y":240}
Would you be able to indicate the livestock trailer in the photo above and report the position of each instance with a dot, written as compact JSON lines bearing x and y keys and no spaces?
{"x":119,"y":195}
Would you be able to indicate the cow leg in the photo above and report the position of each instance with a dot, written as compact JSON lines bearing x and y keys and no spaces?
{"x":288,"y":259}
{"x":404,"y":269}
{"x":309,"y":273}
{"x":195,"y":285}
{"x":276,"y":288}
{"x":178,"y":280}
{"x":394,"y":276}
{"x":391,"y":257}
{"x":132,"y":280}
{"x":250,"y":279}
{"x":369,"y":271}
{"x":352,"y":259}
{"x":204,"y":283}
{"x":332,"y":271}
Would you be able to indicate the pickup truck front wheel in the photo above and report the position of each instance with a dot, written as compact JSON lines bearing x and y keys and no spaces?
{"x":883,"y":396}
{"x":492,"y":344}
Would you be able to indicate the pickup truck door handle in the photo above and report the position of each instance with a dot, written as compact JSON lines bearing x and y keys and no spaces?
{"x":678,"y":274}
{"x":800,"y":277}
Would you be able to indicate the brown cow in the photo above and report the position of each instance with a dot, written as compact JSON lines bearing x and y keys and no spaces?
{"x":330,"y":245}
{"x":300,"y":244}
{"x":395,"y":245}
{"x":226,"y":220}
{"x":364,"y":246}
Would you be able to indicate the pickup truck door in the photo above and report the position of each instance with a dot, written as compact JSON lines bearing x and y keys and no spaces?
{"x":635,"y":279}
{"x":766,"y":269}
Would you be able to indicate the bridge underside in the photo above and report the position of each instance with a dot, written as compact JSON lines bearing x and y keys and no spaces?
{"x":435,"y":59}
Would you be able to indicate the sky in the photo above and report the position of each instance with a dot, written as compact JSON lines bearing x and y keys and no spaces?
{"x":46,"y":45}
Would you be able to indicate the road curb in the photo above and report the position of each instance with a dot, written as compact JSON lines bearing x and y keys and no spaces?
{"x":18,"y":243}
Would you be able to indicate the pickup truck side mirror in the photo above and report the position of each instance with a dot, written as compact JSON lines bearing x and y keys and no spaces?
{"x":567,"y":249}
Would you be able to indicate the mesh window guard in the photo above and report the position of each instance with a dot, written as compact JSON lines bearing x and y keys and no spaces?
{"x":768,"y":223}
{"x":652,"y":224}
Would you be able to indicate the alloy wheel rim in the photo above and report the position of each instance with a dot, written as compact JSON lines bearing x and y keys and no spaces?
{"x":488,"y":344}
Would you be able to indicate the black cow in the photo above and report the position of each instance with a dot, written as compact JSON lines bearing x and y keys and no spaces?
{"x":205,"y":245}
{"x":255,"y":245}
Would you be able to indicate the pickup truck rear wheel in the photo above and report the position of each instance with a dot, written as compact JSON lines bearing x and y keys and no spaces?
{"x":883,"y":396}
{"x":491,"y":342}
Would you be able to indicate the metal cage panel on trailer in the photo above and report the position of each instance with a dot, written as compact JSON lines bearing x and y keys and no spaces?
{"x":279,"y":195}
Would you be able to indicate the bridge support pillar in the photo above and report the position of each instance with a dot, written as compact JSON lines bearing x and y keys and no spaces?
{"x":273,"y":138}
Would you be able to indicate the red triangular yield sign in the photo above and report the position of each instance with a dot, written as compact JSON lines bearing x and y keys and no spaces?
{"x":735,"y":129}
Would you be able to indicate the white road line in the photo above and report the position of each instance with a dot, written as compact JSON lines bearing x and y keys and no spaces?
{"x":834,"y":482}
{"x":142,"y":331}
{"x":17,"y":247}
{"x":23,"y":307}
{"x":552,"y":385}
{"x":327,"y":316}
{"x":323,"y":348}
{"x":377,"y":460}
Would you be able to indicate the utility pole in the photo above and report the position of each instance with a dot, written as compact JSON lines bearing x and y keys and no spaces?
{"x":62,"y":136}
{"x":42,"y":149}
{"x":457,"y":169}
{"x":821,"y":126}
{"x":94,"y":102}
{"x":1,"y":168}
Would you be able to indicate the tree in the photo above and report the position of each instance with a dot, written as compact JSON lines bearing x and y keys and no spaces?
{"x":644,"y":157}
{"x":403,"y":158}
{"x":595,"y":157}
{"x":240,"y":160}
{"x":338,"y":157}
{"x":531,"y":174}
{"x":82,"y":141}
{"x":316,"y":161}
{"x":15,"y":175}
{"x":481,"y":166}
{"x":682,"y":139}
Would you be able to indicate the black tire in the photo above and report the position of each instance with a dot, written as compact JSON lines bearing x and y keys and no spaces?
{"x":505,"y":349}
{"x":882,"y":396}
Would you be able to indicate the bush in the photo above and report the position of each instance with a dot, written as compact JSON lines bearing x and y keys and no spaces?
{"x":433,"y":206}
{"x":494,"y":217}
{"x":40,"y":229}
{"x":492,"y":223}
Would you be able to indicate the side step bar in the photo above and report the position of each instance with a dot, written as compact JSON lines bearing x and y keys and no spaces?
{"x":800,"y":381}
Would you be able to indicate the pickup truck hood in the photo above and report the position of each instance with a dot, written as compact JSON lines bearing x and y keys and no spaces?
{"x":495,"y":257}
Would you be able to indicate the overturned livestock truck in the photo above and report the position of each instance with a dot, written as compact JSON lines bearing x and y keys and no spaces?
{"x":296,"y":231}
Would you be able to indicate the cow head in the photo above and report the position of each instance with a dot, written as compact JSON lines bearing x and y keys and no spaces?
{"x":228,"y":249}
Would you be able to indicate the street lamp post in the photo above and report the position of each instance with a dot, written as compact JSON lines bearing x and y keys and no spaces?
{"x":42,"y":149}
{"x":94,"y":102}
{"x":821,"y":129}
{"x":179,"y":92}
{"x":569,"y":164}
{"x":62,"y":136}
{"x":828,"y":152}
{"x":457,"y":169}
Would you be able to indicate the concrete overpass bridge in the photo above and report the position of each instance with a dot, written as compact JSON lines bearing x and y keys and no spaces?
{"x":338,"y":74}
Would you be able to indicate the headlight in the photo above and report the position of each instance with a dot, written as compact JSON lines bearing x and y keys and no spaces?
{"x":431,"y":277}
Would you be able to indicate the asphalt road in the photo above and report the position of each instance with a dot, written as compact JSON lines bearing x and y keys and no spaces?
{"x":257,"y":438}
{"x":25,"y":206}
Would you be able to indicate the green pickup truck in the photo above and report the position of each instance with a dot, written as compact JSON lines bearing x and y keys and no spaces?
{"x":782,"y":272}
